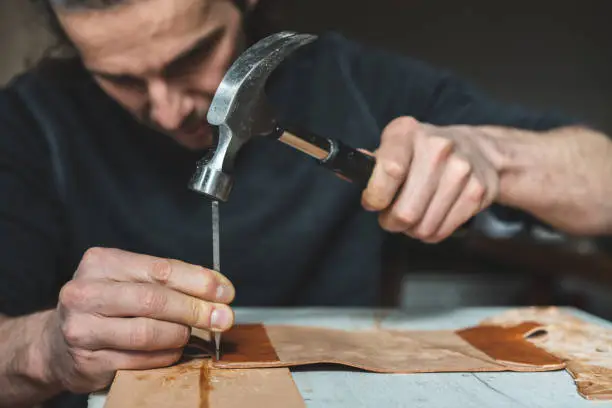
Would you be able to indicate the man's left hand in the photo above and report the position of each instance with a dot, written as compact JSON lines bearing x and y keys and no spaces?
{"x":429,"y":180}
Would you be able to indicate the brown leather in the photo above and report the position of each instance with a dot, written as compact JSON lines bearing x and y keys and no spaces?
{"x":587,"y":347}
{"x":233,"y":381}
{"x":387,"y":351}
{"x":194,"y":384}
{"x":249,"y":342}
{"x":508,"y":345}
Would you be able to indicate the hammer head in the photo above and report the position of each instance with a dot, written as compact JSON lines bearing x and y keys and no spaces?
{"x":240,"y":110}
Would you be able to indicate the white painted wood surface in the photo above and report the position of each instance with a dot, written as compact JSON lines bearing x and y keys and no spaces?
{"x":340,"y":387}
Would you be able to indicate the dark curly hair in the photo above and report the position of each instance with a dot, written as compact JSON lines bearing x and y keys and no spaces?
{"x":263,"y":20}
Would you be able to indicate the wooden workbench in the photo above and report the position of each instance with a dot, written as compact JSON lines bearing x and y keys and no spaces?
{"x":342,"y":388}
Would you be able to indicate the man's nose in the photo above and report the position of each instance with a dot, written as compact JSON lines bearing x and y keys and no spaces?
{"x":169,"y":106}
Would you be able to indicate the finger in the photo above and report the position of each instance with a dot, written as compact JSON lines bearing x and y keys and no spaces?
{"x":468,"y":204}
{"x":119,"y":265}
{"x":392,"y":162}
{"x":452,"y":182}
{"x":129,"y":299}
{"x":429,"y":161}
{"x":113,"y":360}
{"x":94,"y":332}
{"x":95,"y":370}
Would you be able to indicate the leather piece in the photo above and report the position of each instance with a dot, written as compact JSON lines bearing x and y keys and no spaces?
{"x":194,"y":384}
{"x":509,"y":345}
{"x":177,"y":386}
{"x":250,"y":342}
{"x":201,"y":382}
{"x":386,"y":351}
{"x":586,"y":347}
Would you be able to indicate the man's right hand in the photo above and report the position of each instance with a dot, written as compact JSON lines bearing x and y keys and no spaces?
{"x":129,"y":311}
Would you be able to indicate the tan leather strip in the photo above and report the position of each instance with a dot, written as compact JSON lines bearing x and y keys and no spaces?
{"x":387,"y":351}
{"x":195,"y":384}
{"x":509,"y":345}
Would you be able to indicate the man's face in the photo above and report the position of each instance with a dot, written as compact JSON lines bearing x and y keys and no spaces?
{"x":161,"y":59}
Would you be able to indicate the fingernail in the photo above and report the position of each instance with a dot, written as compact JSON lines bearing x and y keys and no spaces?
{"x":220,"y":318}
{"x":224,"y":293}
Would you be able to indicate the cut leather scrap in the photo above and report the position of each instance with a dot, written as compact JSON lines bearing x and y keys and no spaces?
{"x":194,"y":384}
{"x":509,"y":345}
{"x":386,"y":351}
{"x":587,"y":347}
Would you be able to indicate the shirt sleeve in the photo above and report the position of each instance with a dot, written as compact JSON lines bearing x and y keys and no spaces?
{"x":30,"y":215}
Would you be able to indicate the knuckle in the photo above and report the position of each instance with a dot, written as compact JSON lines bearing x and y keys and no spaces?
{"x":73,"y":332}
{"x":74,"y":294}
{"x":394,"y":169}
{"x":390,"y":223}
{"x":459,"y":168}
{"x":195,"y":313}
{"x":91,"y":261}
{"x":209,"y":281}
{"x":401,"y":124}
{"x":424,"y":232}
{"x":142,"y":334}
{"x":83,"y":360}
{"x":207,"y":274}
{"x":405,"y":218}
{"x":401,"y":128}
{"x":439,"y":148}
{"x":475,"y":191}
{"x":199,"y":313}
{"x":161,"y":271}
{"x":93,"y":256}
{"x":153,"y":301}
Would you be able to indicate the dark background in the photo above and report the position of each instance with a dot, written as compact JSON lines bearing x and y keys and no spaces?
{"x":539,"y":53}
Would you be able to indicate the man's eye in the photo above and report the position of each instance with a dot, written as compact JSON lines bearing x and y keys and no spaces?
{"x":126,"y":82}
{"x":188,"y":65}
{"x":193,"y":60}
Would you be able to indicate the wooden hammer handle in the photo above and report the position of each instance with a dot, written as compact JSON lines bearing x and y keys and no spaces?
{"x":344,"y":160}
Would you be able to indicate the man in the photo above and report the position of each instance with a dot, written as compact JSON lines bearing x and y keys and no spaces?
{"x":104,"y":249}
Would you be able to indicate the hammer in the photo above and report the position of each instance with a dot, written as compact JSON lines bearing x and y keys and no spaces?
{"x":240,"y":111}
